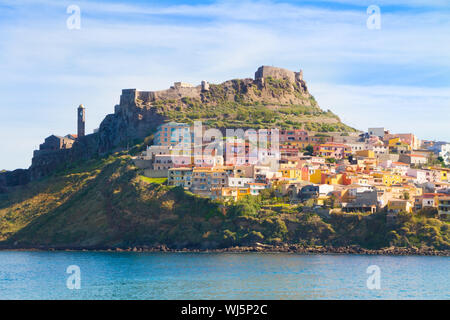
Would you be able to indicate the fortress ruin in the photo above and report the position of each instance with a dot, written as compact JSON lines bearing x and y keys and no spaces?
{"x":182,"y":89}
{"x":278,"y":73}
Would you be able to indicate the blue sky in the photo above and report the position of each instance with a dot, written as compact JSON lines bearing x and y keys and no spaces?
{"x":397,"y":77}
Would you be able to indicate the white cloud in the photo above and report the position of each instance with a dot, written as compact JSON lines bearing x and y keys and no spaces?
{"x":49,"y":70}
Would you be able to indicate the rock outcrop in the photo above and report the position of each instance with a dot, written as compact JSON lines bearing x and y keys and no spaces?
{"x":131,"y":120}
{"x":13,"y":178}
{"x":139,"y":113}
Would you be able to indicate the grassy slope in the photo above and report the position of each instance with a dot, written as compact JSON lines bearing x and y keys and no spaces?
{"x":235,"y":104}
{"x":106,"y":203}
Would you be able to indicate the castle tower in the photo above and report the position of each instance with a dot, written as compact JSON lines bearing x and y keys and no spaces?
{"x":205,"y":85}
{"x":81,"y":121}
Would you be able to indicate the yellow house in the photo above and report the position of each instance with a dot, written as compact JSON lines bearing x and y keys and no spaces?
{"x":396,"y":145}
{"x":400,"y":205}
{"x":242,"y":192}
{"x":388,"y":179}
{"x":320,"y":201}
{"x":291,"y":173}
{"x":316,"y":177}
{"x":230,"y":193}
{"x":365,"y":153}
{"x":288,"y":164}
{"x":443,"y":173}
{"x":298,"y":144}
{"x":334,"y":179}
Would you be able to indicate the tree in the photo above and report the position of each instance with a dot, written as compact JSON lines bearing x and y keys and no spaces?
{"x":429,"y":212}
{"x":309,"y":150}
{"x":309,"y":203}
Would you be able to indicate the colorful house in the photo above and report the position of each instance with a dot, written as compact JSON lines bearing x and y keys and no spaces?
{"x":292,"y":173}
{"x":396,"y":145}
{"x":388,"y":179}
{"x":293,"y":135}
{"x":400,"y":205}
{"x":332,"y":150}
{"x":173,"y":134}
{"x":316,"y":177}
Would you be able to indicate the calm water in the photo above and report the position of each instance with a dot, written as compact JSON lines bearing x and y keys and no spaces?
{"x":42,"y":275}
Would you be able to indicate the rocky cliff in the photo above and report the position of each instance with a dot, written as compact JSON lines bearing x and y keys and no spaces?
{"x":275,"y":97}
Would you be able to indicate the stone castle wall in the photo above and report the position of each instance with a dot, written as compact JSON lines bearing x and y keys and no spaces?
{"x":278,"y":73}
{"x":176,"y":92}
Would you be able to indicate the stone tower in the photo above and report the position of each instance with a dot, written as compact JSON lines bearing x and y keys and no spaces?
{"x":81,"y":121}
{"x":205,"y":85}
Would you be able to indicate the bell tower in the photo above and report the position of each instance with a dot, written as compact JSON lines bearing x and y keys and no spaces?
{"x":81,"y":121}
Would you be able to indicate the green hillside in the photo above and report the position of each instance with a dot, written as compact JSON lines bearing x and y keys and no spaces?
{"x":106,"y":204}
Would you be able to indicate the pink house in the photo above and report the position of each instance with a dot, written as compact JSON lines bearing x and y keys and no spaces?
{"x":293,"y":135}
{"x":332,"y":150}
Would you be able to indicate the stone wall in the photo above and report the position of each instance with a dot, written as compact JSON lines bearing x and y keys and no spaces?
{"x":143,"y":164}
{"x":150,"y":173}
{"x":278,"y":73}
{"x":176,"y":92}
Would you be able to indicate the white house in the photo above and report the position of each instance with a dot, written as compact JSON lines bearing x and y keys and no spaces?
{"x":379,"y":132}
{"x":239,"y":182}
{"x":419,"y":175}
{"x":255,"y":187}
{"x":442,"y":149}
{"x":325,"y":189}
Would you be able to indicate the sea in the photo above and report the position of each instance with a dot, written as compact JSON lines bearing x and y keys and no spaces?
{"x":130,"y":275}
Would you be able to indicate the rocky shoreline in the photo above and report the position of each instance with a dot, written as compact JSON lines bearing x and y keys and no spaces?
{"x":261,"y":248}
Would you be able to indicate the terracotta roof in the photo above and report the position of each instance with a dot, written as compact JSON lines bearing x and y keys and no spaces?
{"x":432,"y":195}
{"x":416,"y":155}
{"x":400,"y":164}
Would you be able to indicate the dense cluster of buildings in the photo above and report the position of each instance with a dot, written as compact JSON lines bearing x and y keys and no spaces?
{"x":364,"y":172}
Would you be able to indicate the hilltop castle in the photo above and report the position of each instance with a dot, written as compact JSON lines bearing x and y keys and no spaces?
{"x":131,"y":97}
{"x":278,"y":73}
{"x":183,"y":89}
{"x":135,"y":116}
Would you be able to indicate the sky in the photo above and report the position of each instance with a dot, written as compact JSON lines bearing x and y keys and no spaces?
{"x":396,"y":76}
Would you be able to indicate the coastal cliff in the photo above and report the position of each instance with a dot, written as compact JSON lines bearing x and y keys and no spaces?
{"x":106,"y":205}
{"x":92,"y":196}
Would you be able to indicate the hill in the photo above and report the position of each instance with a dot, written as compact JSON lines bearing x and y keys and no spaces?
{"x":105,"y":203}
{"x":274,"y":98}
{"x":92,"y":195}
